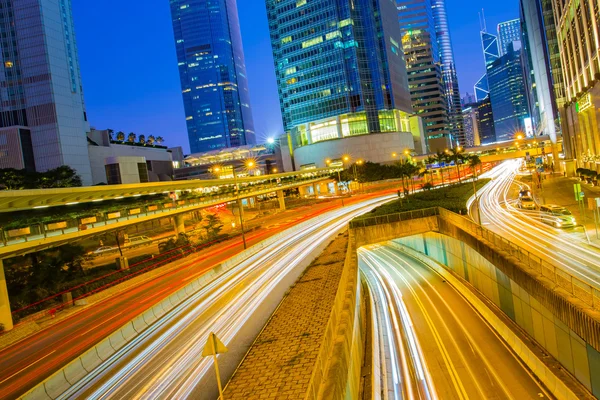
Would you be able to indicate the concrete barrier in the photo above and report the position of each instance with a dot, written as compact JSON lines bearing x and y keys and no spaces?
{"x":87,"y":362}
{"x":553,"y":383}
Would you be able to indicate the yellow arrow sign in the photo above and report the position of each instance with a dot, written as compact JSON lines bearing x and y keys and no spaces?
{"x":213,"y":346}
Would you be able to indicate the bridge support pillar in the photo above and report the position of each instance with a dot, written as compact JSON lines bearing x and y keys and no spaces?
{"x":281,"y":199}
{"x":5,"y":315}
{"x":315,"y":189}
{"x":178,"y":221}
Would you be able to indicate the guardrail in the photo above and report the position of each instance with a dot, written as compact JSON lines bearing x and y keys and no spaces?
{"x":41,"y":231}
{"x":576,"y":287}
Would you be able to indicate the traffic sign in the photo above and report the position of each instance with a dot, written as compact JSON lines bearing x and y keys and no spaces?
{"x":577,"y":190}
{"x":213,"y":346}
{"x":581,"y":195}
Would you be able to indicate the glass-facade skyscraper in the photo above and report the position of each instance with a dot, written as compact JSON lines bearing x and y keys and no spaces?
{"x":508,"y":32}
{"x":213,"y":74}
{"x":507,"y":95}
{"x":340,"y":68}
{"x":452,"y":91}
{"x":41,"y":94}
{"x":424,"y":66}
{"x":491,"y":53}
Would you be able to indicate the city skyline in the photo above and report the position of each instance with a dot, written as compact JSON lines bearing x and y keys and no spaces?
{"x":118,"y":96}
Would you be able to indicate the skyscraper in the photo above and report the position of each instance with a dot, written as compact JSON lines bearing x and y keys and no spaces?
{"x":41,"y":93}
{"x":491,"y":53}
{"x":578,"y":31}
{"x":471,"y":118}
{"x":451,"y":89}
{"x":341,"y":77}
{"x":507,"y":95}
{"x":508,"y":32}
{"x":420,"y":44}
{"x":543,"y":72}
{"x":487,"y":130}
{"x":213,"y":74}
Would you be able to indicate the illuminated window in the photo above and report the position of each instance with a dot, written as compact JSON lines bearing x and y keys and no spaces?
{"x":8,"y":64}
{"x":312,"y":42}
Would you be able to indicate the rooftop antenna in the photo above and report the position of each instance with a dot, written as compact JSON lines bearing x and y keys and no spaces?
{"x":482,"y":23}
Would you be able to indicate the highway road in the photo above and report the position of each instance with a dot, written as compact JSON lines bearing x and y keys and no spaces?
{"x":30,"y":361}
{"x":438,"y":346}
{"x":165,"y":360}
{"x":525,"y":228}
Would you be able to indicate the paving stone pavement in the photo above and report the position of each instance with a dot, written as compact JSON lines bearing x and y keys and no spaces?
{"x":280,"y":362}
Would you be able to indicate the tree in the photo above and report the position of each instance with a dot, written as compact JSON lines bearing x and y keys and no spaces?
{"x":13,"y":179}
{"x":213,"y":226}
{"x":151,"y":140}
{"x":61,"y":177}
{"x":474,"y":162}
{"x":429,"y":161}
{"x":159,"y":140}
{"x":121,"y":136}
{"x":142,"y":139}
{"x":455,"y":154}
{"x":441,"y":158}
{"x":131,"y":137}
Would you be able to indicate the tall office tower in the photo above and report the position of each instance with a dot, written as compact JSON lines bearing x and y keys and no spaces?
{"x":213,"y":74}
{"x":452,"y":92}
{"x":487,"y":130}
{"x":471,"y":117}
{"x":43,"y":124}
{"x":578,"y":31}
{"x":420,"y":43}
{"x":509,"y":32}
{"x":491,"y":53}
{"x":342,"y":80}
{"x":543,"y":74}
{"x":507,"y":94}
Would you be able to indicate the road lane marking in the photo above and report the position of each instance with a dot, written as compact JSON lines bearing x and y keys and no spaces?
{"x":23,"y":369}
{"x":102,"y":323}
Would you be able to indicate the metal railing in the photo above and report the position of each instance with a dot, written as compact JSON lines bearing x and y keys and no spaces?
{"x":41,"y":231}
{"x":576,"y":287}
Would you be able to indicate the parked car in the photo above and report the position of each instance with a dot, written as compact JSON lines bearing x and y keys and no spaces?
{"x":557,"y":216}
{"x":527,"y":203}
{"x":137,"y":241}
{"x":103,"y":250}
{"x":525,"y":193}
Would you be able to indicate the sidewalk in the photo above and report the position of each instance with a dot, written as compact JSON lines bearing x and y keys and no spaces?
{"x":280,"y":363}
{"x":559,"y":190}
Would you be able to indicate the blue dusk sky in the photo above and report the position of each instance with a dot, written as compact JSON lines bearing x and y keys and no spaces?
{"x":129,"y":67}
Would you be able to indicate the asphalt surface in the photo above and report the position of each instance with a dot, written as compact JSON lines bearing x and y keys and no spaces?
{"x":30,"y":361}
{"x":458,"y":355}
{"x":165,"y":360}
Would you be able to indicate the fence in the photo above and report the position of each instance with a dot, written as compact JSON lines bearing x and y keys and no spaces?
{"x":41,"y":231}
{"x":576,"y":287}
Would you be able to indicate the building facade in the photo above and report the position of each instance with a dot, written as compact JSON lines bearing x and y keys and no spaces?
{"x":471,"y":119}
{"x":424,"y":67}
{"x":507,"y":95}
{"x":340,"y":73}
{"x":116,"y":163}
{"x":40,"y":84}
{"x":578,"y":33}
{"x":491,"y":53}
{"x":543,"y":74}
{"x":213,"y":74}
{"x":487,"y":130}
{"x":450,"y":77}
{"x":508,"y":32}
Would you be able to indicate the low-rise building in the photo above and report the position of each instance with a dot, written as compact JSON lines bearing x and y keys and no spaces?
{"x":114,"y":162}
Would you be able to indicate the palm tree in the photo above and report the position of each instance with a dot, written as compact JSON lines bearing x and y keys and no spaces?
{"x":474,"y":162}
{"x":131,"y":137}
{"x":441,"y":158}
{"x":142,"y":139}
{"x":159,"y":139}
{"x":456,"y":155}
{"x":151,"y":140}
{"x":121,"y":136}
{"x":428,"y":161}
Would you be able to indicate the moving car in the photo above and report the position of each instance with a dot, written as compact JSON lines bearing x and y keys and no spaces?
{"x":557,"y":216}
{"x":527,"y":203}
{"x":525,"y":193}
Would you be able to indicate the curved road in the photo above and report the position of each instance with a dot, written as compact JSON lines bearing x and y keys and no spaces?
{"x":461,"y":355}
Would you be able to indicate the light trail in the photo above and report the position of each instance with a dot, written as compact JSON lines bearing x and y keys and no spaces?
{"x":165,"y":360}
{"x":466,"y":358}
{"x":526,"y":229}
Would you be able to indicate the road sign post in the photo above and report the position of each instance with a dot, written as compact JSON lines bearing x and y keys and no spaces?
{"x":213,"y":347}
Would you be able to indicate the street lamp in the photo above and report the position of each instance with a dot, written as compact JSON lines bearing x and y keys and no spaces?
{"x":248,"y":164}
